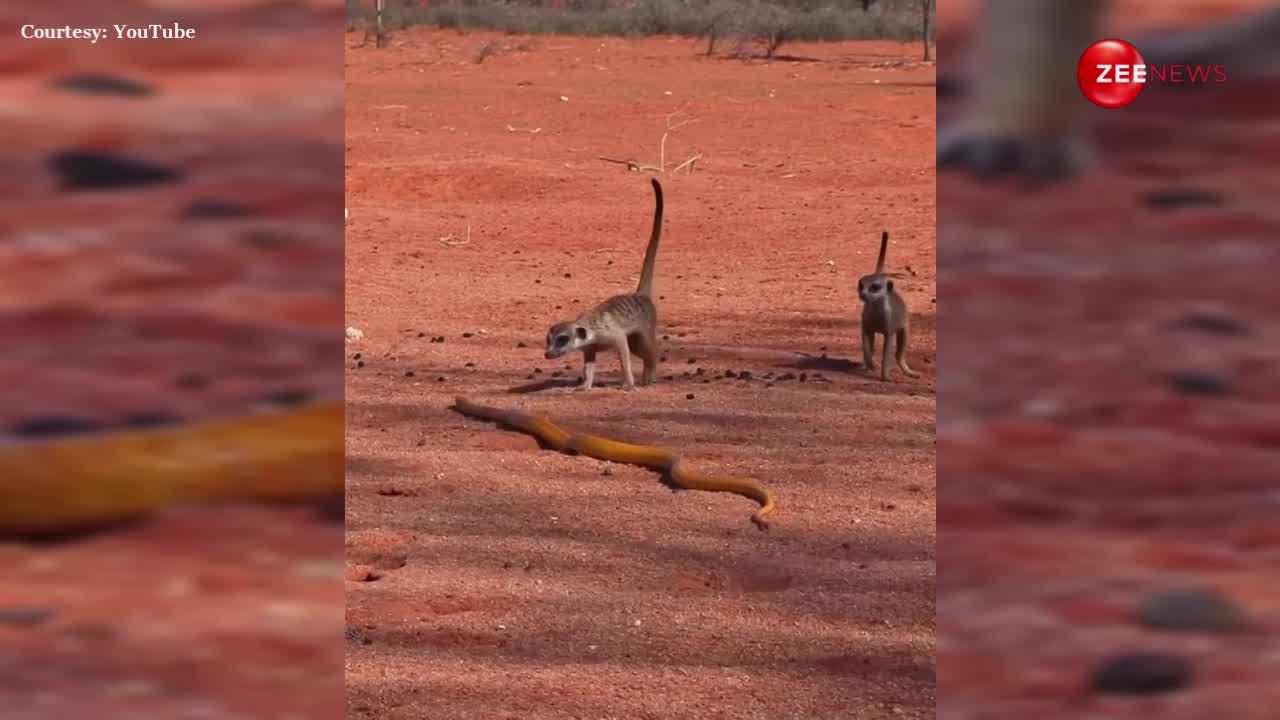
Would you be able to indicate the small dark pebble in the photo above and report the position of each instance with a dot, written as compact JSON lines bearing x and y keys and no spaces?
{"x":422,"y":334}
{"x":666,"y":337}
{"x":521,"y":345}
{"x":699,"y":371}
{"x":662,"y":358}
{"x":556,"y":374}
{"x":1212,"y":324}
{"x":689,"y":396}
{"x":1199,"y":384}
{"x":668,"y":378}
{"x":26,"y":616}
{"x":1190,"y":610}
{"x":144,"y":420}
{"x":823,"y":348}
{"x":440,"y":379}
{"x":537,"y":371}
{"x":1142,"y":673}
{"x":471,"y":364}
{"x":216,"y":210}
{"x":191,"y":380}
{"x":408,"y":373}
{"x":83,"y":170}
{"x":529,"y":376}
{"x":56,"y":425}
{"x":537,"y":282}
{"x":1176,"y":198}
{"x":693,"y":361}
{"x":439,"y":338}
{"x":706,"y":381}
{"x":101,"y":84}
{"x":291,"y":396}
{"x":359,"y":363}
{"x":467,"y":334}
{"x":357,"y":356}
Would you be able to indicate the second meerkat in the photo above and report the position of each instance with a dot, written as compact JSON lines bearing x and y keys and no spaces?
{"x":625,"y":323}
{"x":884,"y":312}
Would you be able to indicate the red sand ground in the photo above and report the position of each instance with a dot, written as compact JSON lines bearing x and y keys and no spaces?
{"x":113,"y":306}
{"x":512,"y":582}
{"x":1074,"y":479}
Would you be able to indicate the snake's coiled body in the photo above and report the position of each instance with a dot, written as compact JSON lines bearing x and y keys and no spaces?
{"x":601,"y":448}
{"x":69,"y":485}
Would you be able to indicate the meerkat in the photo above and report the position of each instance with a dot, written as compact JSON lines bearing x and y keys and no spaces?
{"x":884,"y":312}
{"x":625,"y":323}
{"x":1027,"y":114}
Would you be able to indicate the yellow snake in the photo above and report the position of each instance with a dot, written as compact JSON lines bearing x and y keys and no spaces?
{"x":68,"y":485}
{"x":602,"y":448}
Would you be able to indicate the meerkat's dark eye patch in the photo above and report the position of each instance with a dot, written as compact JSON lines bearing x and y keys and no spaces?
{"x":582,"y":333}
{"x":562,"y":341}
{"x":875,"y":287}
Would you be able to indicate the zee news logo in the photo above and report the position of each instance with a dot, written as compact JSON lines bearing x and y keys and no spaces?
{"x":1113,"y":74}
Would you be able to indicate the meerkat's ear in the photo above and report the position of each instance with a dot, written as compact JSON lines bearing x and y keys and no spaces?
{"x":888,"y":285}
{"x":581,"y":332}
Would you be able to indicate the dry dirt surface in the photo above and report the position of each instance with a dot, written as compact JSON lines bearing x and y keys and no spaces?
{"x":210,"y":292}
{"x":491,"y":579}
{"x":1109,"y":427}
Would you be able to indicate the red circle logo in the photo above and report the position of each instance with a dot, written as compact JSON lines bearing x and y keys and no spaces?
{"x":1111,"y":73}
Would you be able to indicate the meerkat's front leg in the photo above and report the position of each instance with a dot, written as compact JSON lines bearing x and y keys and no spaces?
{"x":624,"y":351}
{"x":868,"y":350}
{"x":588,"y":369}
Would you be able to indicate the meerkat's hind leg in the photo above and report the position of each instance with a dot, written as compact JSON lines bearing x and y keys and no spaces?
{"x":588,"y":369}
{"x":884,"y":359}
{"x":904,"y":336}
{"x":645,"y":349}
{"x":868,"y":350}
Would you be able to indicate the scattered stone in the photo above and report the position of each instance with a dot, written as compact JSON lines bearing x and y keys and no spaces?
{"x":191,"y":381}
{"x":1192,"y":383}
{"x":149,"y":419}
{"x":354,"y":334}
{"x":103,"y":84}
{"x":521,"y":345}
{"x":216,"y":210}
{"x":467,"y":334}
{"x":440,"y":379}
{"x":288,"y":397}
{"x":47,"y":426}
{"x":359,"y":363}
{"x":689,"y":396}
{"x":1142,"y":673}
{"x":408,"y":373}
{"x":89,"y":170}
{"x":357,"y":356}
{"x":1191,"y":610}
{"x":26,"y":616}
{"x":1212,"y":324}
{"x":1178,"y":198}
{"x":470,"y":364}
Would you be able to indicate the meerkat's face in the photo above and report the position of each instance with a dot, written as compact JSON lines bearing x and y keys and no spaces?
{"x":872,"y":288}
{"x":566,"y":337}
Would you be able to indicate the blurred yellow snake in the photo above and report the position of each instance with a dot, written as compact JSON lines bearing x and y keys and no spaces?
{"x":63,"y":486}
{"x":602,"y":448}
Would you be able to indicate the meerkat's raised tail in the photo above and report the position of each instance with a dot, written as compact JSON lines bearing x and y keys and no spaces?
{"x":651,"y":253}
{"x":884,"y":247}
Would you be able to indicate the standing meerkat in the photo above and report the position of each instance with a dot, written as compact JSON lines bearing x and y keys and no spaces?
{"x":625,"y":323}
{"x":884,"y":312}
